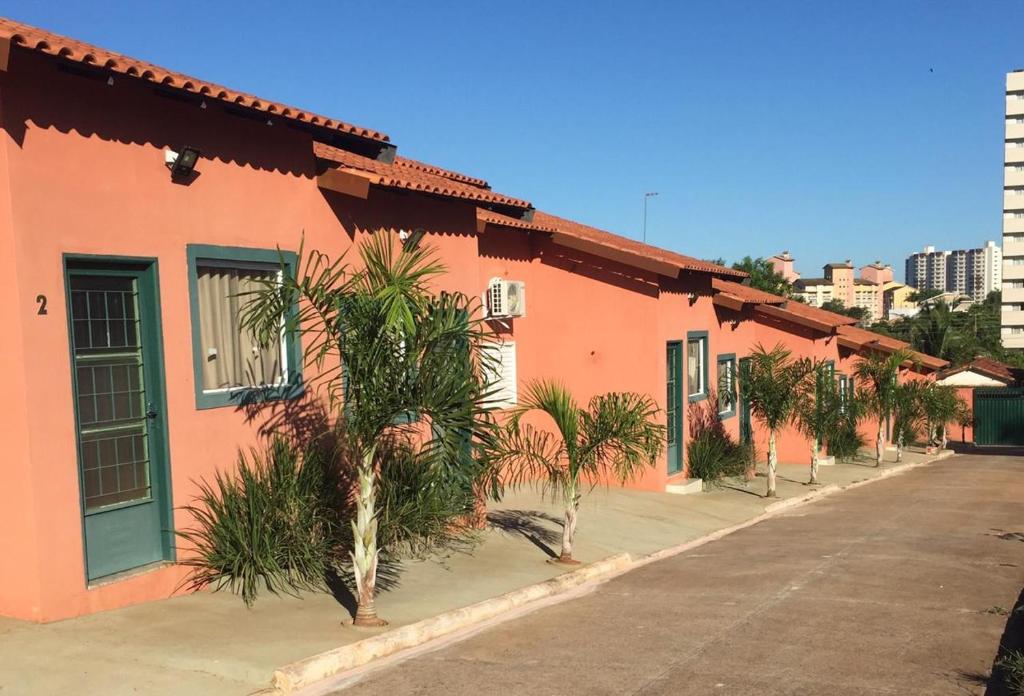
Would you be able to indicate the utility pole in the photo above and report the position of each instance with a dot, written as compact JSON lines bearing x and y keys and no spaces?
{"x":647,"y":195}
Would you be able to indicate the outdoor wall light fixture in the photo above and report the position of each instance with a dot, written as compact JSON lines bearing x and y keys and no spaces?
{"x":182,"y":164}
{"x":412,"y":239}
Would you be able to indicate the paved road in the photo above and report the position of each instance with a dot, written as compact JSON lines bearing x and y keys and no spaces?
{"x":879,"y":590}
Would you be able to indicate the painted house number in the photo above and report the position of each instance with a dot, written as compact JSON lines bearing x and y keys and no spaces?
{"x":41,"y":301}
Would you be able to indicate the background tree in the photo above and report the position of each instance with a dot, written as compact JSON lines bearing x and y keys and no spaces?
{"x":763,"y":276}
{"x":845,"y":440}
{"x":773,"y":385}
{"x":907,"y":414}
{"x":839,"y":307}
{"x":957,"y":336}
{"x":935,"y":331}
{"x":818,"y":409}
{"x":941,"y":406}
{"x":615,"y":437}
{"x":878,"y":375}
{"x":401,"y":367}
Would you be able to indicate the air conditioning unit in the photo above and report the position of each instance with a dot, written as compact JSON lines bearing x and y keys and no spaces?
{"x":506,"y":298}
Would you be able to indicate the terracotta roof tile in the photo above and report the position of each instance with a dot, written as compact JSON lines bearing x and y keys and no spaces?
{"x":412,"y":178}
{"x":630,"y":247}
{"x":493,"y":218}
{"x":746,"y":293}
{"x":817,"y":314}
{"x":866,"y":338}
{"x":47,"y":42}
{"x":438,"y":171}
{"x":986,"y":366}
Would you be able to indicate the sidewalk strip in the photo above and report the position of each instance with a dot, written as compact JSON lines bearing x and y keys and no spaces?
{"x":336,"y":662}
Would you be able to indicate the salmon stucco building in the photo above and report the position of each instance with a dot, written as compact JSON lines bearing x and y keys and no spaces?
{"x":131,"y":379}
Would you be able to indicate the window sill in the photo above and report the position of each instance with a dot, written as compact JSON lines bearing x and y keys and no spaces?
{"x":249,"y":396}
{"x":696,"y":397}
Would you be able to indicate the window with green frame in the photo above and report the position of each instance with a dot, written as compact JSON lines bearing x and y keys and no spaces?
{"x":845,"y":391}
{"x":696,"y":365}
{"x":726,"y":385}
{"x":231,"y":368}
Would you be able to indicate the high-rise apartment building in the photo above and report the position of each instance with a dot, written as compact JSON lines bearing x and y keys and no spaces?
{"x":1013,"y":215}
{"x":926,"y":270}
{"x":973,"y":273}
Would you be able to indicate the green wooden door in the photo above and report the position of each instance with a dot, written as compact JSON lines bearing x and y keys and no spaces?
{"x":999,"y":416}
{"x":674,"y":405}
{"x":118,"y":385}
{"x":746,"y":429}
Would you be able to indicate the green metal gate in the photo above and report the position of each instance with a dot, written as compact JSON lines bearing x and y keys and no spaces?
{"x":999,"y":416}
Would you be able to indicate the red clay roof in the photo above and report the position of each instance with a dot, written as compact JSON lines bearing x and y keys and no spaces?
{"x":985,"y":366}
{"x":592,"y":239}
{"x":406,"y":176}
{"x":870,"y":339}
{"x":746,"y":293}
{"x":818,"y":314}
{"x":493,"y":218}
{"x":822,"y":319}
{"x":630,"y":247}
{"x":799,"y":310}
{"x":47,"y":42}
{"x":438,"y":171}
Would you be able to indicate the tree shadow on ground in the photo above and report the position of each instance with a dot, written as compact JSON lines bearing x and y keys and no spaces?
{"x":971,"y":448}
{"x":740,"y":488}
{"x":998,"y":679}
{"x":340,"y":580}
{"x":527,"y":524}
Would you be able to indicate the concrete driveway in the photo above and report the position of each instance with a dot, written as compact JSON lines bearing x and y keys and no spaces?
{"x":900,"y":587}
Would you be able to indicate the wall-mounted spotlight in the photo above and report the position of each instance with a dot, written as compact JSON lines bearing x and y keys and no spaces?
{"x":182,"y":164}
{"x":411,"y":240}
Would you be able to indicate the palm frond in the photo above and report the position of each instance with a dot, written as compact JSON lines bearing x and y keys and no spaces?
{"x":619,"y":436}
{"x":556,"y":401}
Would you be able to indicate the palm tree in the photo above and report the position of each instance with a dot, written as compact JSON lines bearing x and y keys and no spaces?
{"x":614,"y":437}
{"x":773,"y":387}
{"x":397,"y":362}
{"x":941,"y":406}
{"x":907,"y":414}
{"x":934,"y":332}
{"x":879,"y":375}
{"x":819,"y":409}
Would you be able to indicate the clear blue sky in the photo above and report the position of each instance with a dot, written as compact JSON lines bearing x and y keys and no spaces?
{"x":834,"y":129}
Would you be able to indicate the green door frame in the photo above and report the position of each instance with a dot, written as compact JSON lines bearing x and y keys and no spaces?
{"x":674,"y":405}
{"x":146,"y":272}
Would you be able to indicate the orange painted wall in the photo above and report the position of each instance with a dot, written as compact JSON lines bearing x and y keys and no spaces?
{"x":953,"y":431}
{"x":81,"y":171}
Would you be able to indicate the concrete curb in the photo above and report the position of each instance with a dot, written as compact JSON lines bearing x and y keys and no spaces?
{"x":313,"y":669}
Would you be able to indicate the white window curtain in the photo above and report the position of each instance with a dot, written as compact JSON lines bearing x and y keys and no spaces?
{"x":231,"y":356}
{"x":695,"y":366}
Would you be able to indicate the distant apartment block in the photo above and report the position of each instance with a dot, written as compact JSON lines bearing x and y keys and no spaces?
{"x":783,"y":263}
{"x":973,"y":273}
{"x":1013,"y":215}
{"x":926,"y":270}
{"x":839,"y":283}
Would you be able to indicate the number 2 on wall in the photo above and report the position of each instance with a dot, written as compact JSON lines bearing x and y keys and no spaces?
{"x":41,"y":301}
